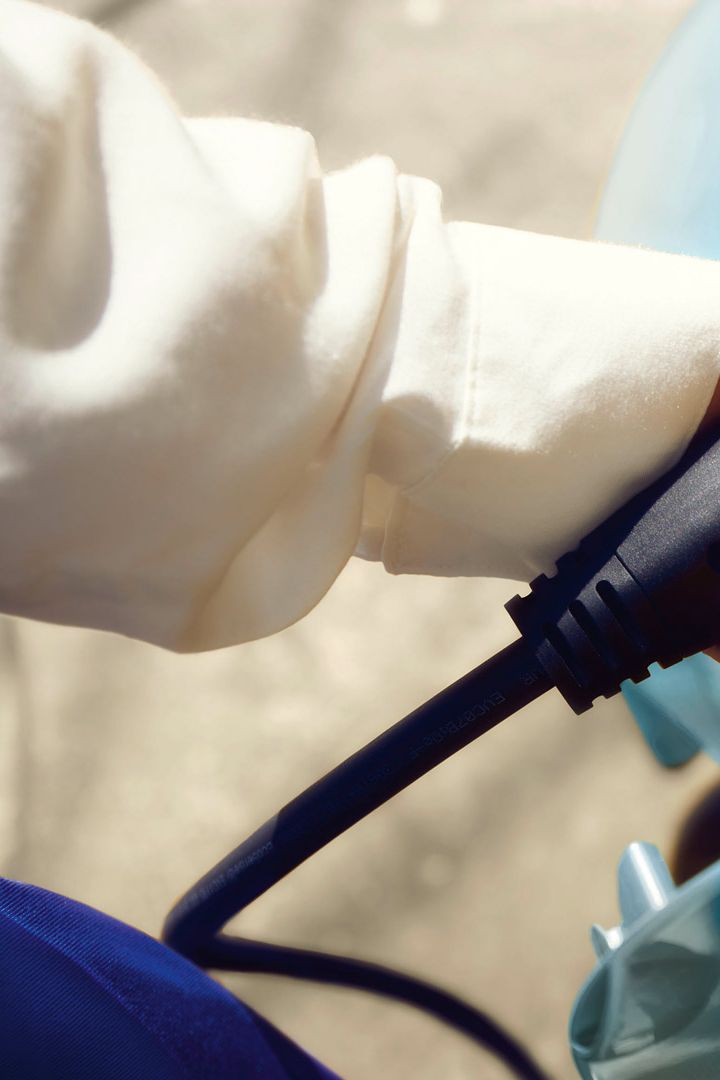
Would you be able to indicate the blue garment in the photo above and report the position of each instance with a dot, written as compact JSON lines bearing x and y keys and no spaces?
{"x":85,"y":997}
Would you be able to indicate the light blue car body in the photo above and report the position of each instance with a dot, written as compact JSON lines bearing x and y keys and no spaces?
{"x":651,"y":1007}
{"x":664,"y":193}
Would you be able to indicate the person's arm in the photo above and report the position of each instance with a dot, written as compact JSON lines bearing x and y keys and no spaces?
{"x":222,"y":372}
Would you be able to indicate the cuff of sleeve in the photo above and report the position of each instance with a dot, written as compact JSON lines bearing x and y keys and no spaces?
{"x":588,"y":368}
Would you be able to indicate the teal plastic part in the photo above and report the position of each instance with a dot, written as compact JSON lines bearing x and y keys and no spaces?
{"x":678,"y":710}
{"x":651,"y":1007}
{"x":664,"y":193}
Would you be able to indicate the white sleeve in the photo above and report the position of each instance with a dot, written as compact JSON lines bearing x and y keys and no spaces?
{"x":222,"y":372}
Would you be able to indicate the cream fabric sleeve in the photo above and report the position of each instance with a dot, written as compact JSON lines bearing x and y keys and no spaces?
{"x":222,"y":372}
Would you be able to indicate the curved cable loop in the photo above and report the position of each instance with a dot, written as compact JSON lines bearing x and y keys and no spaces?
{"x":452,"y":719}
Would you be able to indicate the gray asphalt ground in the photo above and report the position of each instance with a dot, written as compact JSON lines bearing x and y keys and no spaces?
{"x":125,"y":772}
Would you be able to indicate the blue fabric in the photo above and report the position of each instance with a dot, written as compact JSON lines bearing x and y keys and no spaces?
{"x":85,"y":997}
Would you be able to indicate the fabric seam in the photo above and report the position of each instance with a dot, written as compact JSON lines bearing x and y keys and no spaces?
{"x":395,"y":545}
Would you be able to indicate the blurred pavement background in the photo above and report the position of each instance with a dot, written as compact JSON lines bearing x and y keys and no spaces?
{"x":125,"y":772}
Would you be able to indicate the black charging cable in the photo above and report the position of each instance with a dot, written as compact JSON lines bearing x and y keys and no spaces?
{"x":469,"y":708}
{"x":642,"y":587}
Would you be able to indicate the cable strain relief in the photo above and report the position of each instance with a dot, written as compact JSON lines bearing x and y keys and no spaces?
{"x":590,"y":629}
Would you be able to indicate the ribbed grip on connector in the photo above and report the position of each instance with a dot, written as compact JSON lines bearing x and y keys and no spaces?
{"x":588,"y":633}
{"x":643,"y":587}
